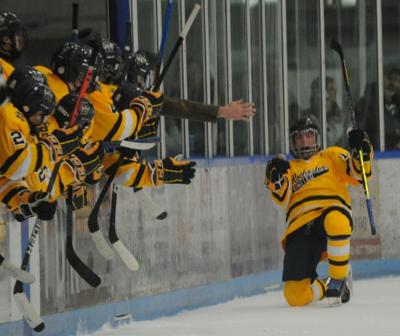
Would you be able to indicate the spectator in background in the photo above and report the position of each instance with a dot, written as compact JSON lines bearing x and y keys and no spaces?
{"x":367,"y":110}
{"x":337,"y":121}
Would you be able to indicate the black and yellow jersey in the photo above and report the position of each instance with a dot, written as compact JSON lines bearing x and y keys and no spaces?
{"x":20,"y":152}
{"x":314,"y":185}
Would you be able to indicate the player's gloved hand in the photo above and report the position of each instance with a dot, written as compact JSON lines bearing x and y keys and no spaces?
{"x":275,"y":170}
{"x":35,"y":204}
{"x":149,"y":128}
{"x":171,"y":170}
{"x":91,"y":157}
{"x":123,"y":96}
{"x":94,"y":176}
{"x":359,"y":140}
{"x":150,"y":103}
{"x":79,"y":197}
{"x":64,"y":141}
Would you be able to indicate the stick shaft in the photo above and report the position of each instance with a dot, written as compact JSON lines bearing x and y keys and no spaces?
{"x":178,"y":43}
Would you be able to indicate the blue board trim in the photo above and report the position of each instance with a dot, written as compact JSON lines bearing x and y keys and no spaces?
{"x":171,"y":303}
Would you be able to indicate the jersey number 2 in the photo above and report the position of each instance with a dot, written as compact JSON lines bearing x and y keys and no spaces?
{"x":18,"y":139}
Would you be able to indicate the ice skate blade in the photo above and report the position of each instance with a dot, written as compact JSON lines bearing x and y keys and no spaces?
{"x":334,"y":301}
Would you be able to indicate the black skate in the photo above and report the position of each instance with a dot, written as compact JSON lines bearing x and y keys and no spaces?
{"x":335,"y":291}
{"x":339,"y":291}
{"x":348,"y":288}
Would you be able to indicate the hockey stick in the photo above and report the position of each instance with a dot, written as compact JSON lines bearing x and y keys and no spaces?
{"x":167,"y":20}
{"x":145,"y":200}
{"x":24,"y":306}
{"x":143,"y":197}
{"x":338,"y":48}
{"x":93,"y":224}
{"x":127,"y":257}
{"x":15,"y":272}
{"x":149,"y":204}
{"x":75,"y":30}
{"x":178,"y":43}
{"x":77,"y":264}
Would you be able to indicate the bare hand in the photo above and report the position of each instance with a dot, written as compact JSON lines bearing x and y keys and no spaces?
{"x":237,"y":110}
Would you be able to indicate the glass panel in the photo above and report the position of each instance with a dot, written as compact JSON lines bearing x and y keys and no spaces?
{"x":391,"y":64}
{"x":303,"y":48}
{"x":146,"y":26}
{"x":240,"y":80}
{"x":257,"y":75}
{"x":217,"y":31}
{"x":353,"y":24}
{"x":195,"y":79}
{"x":274,"y":77}
{"x":172,"y":84}
{"x":147,"y":41}
{"x":48,"y":24}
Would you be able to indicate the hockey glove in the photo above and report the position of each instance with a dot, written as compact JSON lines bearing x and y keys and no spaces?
{"x":35,"y":203}
{"x":275,"y":170}
{"x":94,"y":177}
{"x":359,"y":139}
{"x":172,"y":171}
{"x":64,"y":141}
{"x":149,"y":128}
{"x":84,"y":161}
{"x":150,"y":103}
{"x":79,"y":197}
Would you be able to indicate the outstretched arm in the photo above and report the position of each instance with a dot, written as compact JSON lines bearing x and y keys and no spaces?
{"x":237,"y":110}
{"x":187,"y":109}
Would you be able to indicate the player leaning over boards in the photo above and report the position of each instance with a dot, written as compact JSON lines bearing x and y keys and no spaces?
{"x":313,"y":189}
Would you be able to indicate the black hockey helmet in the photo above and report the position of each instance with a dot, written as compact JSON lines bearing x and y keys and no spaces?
{"x":304,"y":125}
{"x":65,"y":109}
{"x":71,"y":61}
{"x":112,"y":59}
{"x":124,"y":95}
{"x":24,"y":73}
{"x":13,"y":36}
{"x":140,"y":68}
{"x":30,"y":97}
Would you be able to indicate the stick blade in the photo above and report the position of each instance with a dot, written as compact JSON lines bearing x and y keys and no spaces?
{"x":150,"y":205}
{"x":137,"y":145}
{"x":101,"y":245}
{"x":80,"y":267}
{"x":28,"y":312}
{"x":17,"y":273}
{"x":127,"y":257}
{"x":335,"y":45}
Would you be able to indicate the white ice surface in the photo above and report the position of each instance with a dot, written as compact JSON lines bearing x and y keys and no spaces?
{"x":374,"y":310}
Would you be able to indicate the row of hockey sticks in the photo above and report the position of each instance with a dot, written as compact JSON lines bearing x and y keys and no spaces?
{"x":77,"y":264}
{"x":335,"y":45}
{"x":157,"y":211}
{"x":24,"y":306}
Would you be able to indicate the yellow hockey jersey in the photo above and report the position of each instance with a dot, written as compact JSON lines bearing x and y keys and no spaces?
{"x":312,"y":186}
{"x":20,"y":153}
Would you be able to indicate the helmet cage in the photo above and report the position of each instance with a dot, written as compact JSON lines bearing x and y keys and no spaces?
{"x":305,"y":152}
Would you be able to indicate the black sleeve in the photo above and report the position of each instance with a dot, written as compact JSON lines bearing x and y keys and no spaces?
{"x":180,"y":108}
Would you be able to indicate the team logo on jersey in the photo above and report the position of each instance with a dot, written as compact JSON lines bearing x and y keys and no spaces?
{"x":300,"y":180}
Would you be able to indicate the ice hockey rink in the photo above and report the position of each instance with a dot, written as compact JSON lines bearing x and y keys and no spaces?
{"x":373,"y":310}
